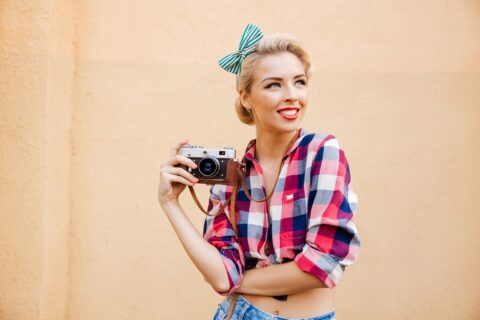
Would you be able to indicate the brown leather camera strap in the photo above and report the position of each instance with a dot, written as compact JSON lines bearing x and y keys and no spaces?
{"x":244,"y":183}
{"x":233,"y":219}
{"x":241,"y":173}
{"x":199,"y":205}
{"x":232,"y":201}
{"x":232,"y":306}
{"x":241,"y":169}
{"x":234,"y":192}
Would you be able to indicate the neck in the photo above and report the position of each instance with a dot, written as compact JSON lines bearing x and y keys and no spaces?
{"x":272,"y":146}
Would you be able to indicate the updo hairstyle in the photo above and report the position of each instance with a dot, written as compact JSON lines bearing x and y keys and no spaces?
{"x":271,"y":44}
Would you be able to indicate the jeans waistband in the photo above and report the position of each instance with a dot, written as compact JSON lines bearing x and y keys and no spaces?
{"x":243,"y":305}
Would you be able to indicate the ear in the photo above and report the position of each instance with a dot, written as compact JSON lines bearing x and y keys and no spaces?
{"x":245,"y":99}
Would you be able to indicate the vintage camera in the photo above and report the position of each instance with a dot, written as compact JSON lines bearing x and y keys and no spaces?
{"x":214,"y":166}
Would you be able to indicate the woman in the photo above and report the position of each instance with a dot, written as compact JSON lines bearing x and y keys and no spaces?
{"x":291,"y":249}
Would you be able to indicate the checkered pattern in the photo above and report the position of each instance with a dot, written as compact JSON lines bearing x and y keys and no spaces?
{"x":310,"y":219}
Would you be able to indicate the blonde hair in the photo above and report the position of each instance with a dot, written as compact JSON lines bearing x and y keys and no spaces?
{"x":271,"y":44}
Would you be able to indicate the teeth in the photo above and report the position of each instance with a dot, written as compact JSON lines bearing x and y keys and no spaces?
{"x":289,"y":112}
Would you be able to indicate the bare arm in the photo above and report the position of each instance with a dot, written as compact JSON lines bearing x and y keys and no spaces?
{"x":278,"y":279}
{"x":203,"y":255}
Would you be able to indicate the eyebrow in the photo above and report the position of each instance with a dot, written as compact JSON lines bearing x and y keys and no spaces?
{"x":276,"y":78}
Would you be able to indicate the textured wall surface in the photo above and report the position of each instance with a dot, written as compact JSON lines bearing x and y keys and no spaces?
{"x":36,"y":73}
{"x":94,"y":93}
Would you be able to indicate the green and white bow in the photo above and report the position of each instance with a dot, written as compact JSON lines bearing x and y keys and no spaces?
{"x":233,"y":61}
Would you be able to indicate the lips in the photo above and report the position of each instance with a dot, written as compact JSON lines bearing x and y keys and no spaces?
{"x":289,"y":113}
{"x":288,"y":108}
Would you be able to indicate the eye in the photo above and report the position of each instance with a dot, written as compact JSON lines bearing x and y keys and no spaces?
{"x":272,"y":84}
{"x":303,"y":82}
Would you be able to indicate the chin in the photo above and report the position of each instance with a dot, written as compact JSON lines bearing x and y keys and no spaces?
{"x":289,"y":127}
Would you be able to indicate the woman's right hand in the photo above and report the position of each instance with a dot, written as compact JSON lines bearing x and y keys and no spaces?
{"x":173,"y":179}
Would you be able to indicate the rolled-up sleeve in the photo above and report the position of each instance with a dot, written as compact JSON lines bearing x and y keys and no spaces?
{"x":219,"y":232}
{"x":332,"y":240}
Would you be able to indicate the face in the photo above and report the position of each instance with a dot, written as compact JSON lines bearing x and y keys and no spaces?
{"x":278,"y":96}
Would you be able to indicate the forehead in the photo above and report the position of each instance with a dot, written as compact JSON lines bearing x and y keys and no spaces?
{"x":284,"y":64}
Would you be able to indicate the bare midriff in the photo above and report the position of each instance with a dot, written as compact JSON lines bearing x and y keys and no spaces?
{"x":310,"y":303}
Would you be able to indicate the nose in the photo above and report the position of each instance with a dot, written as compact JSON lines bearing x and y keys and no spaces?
{"x":291,"y":93}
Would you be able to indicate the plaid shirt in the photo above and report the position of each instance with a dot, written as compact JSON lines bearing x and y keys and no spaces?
{"x":309,"y":220}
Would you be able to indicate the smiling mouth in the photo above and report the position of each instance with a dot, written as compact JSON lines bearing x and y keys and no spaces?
{"x":289,"y":111}
{"x":289,"y":114}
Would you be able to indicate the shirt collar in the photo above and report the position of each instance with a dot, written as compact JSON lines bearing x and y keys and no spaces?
{"x":251,"y":147}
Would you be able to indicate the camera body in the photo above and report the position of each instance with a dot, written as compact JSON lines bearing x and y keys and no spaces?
{"x":214,"y":166}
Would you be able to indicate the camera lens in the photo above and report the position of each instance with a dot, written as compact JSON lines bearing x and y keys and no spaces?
{"x":209,"y":166}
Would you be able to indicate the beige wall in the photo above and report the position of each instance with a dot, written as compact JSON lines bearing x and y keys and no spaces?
{"x":94,"y":93}
{"x":36,"y":72}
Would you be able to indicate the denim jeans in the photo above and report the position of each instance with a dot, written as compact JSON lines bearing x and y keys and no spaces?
{"x":244,"y":310}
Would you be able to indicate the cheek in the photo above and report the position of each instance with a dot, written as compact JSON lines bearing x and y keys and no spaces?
{"x":268,"y":98}
{"x":303,"y":96}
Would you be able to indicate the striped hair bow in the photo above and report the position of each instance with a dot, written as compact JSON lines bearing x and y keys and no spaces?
{"x":233,"y":61}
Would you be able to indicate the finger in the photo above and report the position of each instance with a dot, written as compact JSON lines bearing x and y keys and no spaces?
{"x":175,"y":149}
{"x":182,"y":160}
{"x":179,"y":179}
{"x":181,"y":172}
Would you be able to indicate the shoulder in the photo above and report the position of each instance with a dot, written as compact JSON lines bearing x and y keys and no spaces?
{"x":324,"y":148}
{"x":315,"y":141}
